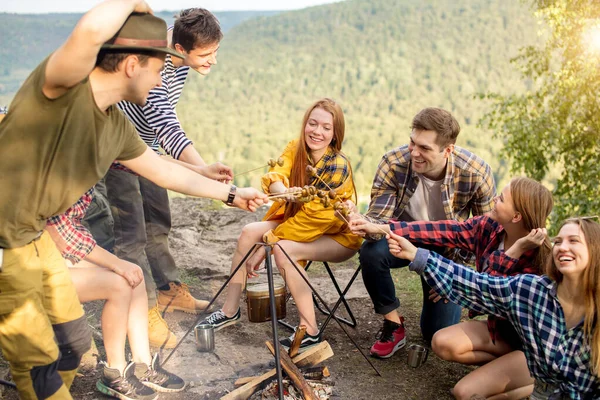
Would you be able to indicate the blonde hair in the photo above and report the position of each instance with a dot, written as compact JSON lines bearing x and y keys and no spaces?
{"x":591,"y":280}
{"x":534,"y":202}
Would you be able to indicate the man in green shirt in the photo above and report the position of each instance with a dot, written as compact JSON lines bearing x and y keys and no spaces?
{"x":58,"y":139}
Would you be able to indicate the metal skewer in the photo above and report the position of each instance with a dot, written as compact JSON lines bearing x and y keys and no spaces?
{"x":271,"y":164}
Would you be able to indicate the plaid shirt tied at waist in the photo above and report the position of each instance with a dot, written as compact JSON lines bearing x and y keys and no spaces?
{"x":75,"y":242}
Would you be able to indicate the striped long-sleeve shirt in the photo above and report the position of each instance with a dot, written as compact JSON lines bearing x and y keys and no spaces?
{"x":555,"y":354}
{"x":157,"y":122}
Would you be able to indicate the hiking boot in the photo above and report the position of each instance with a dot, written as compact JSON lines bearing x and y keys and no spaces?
{"x":308,"y":341}
{"x":123,"y":387}
{"x":159,"y":334}
{"x":157,"y":378}
{"x":219,"y":320}
{"x":390,"y":339}
{"x":178,"y":297}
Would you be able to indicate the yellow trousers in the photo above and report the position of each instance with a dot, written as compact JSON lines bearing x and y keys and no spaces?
{"x":42,"y":325}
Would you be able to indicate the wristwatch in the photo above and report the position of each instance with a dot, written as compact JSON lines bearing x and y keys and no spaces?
{"x":231,"y":195}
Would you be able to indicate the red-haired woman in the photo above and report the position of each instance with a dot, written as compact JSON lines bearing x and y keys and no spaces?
{"x":306,"y":231}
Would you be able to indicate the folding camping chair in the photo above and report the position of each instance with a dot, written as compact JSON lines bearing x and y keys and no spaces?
{"x":342,"y":299}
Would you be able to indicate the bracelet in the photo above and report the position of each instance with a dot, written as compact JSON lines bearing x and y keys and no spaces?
{"x":231,"y":195}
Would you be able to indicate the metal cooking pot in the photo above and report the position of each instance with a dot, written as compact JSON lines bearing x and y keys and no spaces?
{"x":257,"y":298}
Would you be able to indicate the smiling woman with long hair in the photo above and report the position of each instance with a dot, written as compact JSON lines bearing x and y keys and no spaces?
{"x":555,"y":315}
{"x":305,"y":231}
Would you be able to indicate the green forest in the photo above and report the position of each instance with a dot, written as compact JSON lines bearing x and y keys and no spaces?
{"x":383,"y":60}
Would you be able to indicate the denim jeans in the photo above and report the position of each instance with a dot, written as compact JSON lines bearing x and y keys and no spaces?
{"x":142,"y":222}
{"x":99,"y":220}
{"x":544,"y":391}
{"x":377,"y":262}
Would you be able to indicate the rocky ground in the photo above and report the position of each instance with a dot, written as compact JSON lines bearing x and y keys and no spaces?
{"x":203,"y":239}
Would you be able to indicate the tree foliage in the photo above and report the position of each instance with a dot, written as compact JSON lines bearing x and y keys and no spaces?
{"x":555,"y":125}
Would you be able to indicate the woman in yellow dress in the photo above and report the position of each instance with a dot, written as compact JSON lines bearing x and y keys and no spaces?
{"x":306,"y":231}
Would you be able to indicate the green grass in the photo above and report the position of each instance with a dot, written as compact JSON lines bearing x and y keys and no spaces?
{"x":189,"y":278}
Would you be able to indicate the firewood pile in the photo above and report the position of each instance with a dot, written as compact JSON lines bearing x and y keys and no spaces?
{"x":323,"y":391}
{"x":304,"y":378}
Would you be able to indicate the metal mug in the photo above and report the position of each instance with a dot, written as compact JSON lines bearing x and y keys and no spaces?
{"x":417,"y":355}
{"x":205,"y":337}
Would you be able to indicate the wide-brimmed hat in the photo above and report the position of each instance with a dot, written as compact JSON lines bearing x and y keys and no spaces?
{"x":144,"y":32}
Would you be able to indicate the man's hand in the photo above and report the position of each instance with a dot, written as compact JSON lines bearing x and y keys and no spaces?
{"x":130,"y":272}
{"x":143,"y":7}
{"x":217,"y":171}
{"x":249,"y":199}
{"x":401,"y":247}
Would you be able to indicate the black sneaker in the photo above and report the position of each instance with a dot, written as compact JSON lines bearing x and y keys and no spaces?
{"x":158,"y":378}
{"x":308,"y":341}
{"x":124,"y":387}
{"x":219,"y":320}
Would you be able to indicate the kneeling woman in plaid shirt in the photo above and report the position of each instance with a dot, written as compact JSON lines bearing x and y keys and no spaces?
{"x":100,"y":275}
{"x":555,"y":315}
{"x":306,"y":231}
{"x":509,"y":240}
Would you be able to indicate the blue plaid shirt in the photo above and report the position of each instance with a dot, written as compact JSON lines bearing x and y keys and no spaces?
{"x":555,"y":355}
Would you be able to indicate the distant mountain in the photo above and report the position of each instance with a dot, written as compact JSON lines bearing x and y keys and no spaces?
{"x":28,"y":38}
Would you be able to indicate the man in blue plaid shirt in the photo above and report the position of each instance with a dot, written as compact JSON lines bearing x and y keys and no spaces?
{"x":430,"y":179}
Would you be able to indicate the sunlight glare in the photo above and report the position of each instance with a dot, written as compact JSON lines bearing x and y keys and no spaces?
{"x":592,"y":37}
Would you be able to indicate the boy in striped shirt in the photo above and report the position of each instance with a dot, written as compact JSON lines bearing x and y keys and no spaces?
{"x":141,"y":212}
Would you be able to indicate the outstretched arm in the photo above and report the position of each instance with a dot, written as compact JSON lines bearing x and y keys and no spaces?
{"x":75,"y":59}
{"x":180,"y":179}
{"x":461,"y":285}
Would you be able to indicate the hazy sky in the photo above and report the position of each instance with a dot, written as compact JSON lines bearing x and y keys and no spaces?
{"x":45,"y":6}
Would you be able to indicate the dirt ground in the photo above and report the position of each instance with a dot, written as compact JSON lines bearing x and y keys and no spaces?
{"x":202,"y":242}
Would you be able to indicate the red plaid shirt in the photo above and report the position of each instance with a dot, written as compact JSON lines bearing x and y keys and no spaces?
{"x":481,"y":236}
{"x":73,"y":240}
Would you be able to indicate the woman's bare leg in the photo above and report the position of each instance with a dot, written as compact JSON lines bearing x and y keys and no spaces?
{"x":322,"y":249}
{"x":96,"y":283}
{"x":137,"y":325}
{"x":251,"y":234}
{"x":469,"y":343}
{"x":507,"y":378}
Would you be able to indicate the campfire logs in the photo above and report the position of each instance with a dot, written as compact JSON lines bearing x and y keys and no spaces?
{"x":305,"y":380}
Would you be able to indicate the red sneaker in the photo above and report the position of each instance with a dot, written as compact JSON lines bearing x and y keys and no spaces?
{"x":390,"y":339}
